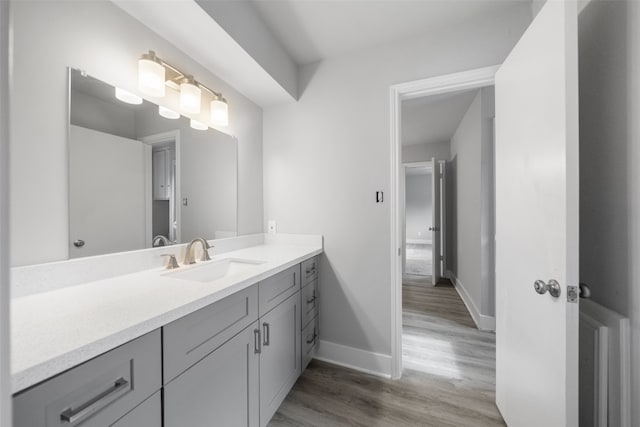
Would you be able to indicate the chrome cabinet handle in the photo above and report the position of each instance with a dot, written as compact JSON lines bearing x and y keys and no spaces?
{"x":99,"y":402}
{"x":552,"y":286}
{"x":267,"y":334}
{"x":78,"y":243}
{"x":257,"y":344}
{"x":313,"y":338}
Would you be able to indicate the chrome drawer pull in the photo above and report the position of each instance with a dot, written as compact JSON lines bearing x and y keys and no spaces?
{"x":96,"y":404}
{"x":257,"y":344}
{"x":312,"y":299}
{"x":313,"y":338}
{"x":312,"y":269}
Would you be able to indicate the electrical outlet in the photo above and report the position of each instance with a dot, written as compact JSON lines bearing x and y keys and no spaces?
{"x":271,"y":227}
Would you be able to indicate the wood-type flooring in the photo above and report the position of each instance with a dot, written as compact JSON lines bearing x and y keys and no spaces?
{"x":448,"y":377}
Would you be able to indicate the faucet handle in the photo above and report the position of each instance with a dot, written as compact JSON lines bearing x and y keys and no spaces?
{"x":173,"y":263}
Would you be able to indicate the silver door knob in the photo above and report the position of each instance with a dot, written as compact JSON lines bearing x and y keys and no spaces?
{"x":585,"y":291}
{"x":552,"y":286}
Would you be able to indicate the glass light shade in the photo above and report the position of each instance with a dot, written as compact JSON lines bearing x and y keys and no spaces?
{"x":127,"y":97}
{"x":219,"y":112}
{"x":151,"y":78}
{"x":198,"y":125}
{"x":190,"y":98}
{"x":167,"y":113}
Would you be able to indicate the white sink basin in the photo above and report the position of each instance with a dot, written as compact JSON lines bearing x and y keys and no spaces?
{"x":213,"y":270}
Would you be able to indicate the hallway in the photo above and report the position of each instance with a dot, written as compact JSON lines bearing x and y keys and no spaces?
{"x":448,"y":377}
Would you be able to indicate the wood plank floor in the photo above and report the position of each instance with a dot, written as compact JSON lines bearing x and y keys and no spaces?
{"x":448,"y":377}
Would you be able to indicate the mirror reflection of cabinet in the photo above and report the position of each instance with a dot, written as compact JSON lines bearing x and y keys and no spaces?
{"x":162,"y":173}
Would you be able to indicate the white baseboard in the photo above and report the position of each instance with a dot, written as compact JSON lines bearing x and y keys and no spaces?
{"x":482,"y":321}
{"x":354,"y":358}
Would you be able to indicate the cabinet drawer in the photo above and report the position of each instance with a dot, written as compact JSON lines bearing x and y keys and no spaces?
{"x":309,"y":302}
{"x":278,"y":288}
{"x":98,"y":392}
{"x":191,"y":338}
{"x":148,"y":414}
{"x":310,"y":337}
{"x":310,"y":270}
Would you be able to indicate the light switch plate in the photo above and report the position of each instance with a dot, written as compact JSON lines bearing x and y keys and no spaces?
{"x":271,"y":227}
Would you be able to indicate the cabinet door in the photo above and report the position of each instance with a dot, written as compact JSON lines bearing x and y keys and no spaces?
{"x":280,"y":358}
{"x":147,"y":414}
{"x":220,"y":390}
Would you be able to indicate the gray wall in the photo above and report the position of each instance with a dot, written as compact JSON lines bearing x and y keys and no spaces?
{"x":426,"y":152}
{"x":609,"y":163}
{"x":327,"y":155}
{"x":470,"y":204}
{"x":103,"y":40}
{"x":419,"y":207}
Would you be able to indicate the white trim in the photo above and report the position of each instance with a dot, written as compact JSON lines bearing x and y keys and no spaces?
{"x":354,"y":358}
{"x":482,"y":321}
{"x":471,"y":79}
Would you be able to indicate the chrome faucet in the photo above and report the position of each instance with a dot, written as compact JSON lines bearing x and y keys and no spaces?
{"x":189,"y":257}
{"x":160,"y":240}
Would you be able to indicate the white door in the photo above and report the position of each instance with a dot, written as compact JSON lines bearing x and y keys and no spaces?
{"x":106,"y":193}
{"x":537,"y":223}
{"x":436,"y":273}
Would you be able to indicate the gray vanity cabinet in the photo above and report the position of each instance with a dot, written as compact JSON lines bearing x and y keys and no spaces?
{"x":99,"y":392}
{"x":147,"y":414}
{"x":280,"y":357}
{"x":309,"y":302}
{"x":221,"y":389}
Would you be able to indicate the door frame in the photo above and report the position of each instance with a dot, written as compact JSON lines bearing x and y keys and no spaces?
{"x":471,"y":79}
{"x":150,"y":140}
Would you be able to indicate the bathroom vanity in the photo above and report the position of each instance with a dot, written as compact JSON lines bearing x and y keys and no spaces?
{"x":215,"y":343}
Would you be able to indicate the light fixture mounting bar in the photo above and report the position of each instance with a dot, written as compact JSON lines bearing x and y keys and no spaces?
{"x":175,"y":75}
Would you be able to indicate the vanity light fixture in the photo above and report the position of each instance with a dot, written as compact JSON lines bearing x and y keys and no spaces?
{"x":190,"y":95}
{"x":198,"y":125}
{"x":219,"y":111}
{"x":127,"y":97}
{"x":154,"y":74}
{"x":168,"y":113}
{"x":151,"y":75}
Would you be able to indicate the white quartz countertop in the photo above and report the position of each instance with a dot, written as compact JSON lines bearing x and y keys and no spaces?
{"x":57,"y":330}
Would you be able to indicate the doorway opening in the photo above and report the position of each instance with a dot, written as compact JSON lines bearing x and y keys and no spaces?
{"x":431,"y":90}
{"x":446,"y":185}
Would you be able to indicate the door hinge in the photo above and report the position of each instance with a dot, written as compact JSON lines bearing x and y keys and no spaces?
{"x":572,"y":294}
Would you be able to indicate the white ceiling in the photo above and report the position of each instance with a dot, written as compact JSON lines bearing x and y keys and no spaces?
{"x":311,"y":30}
{"x":434,"y":119}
